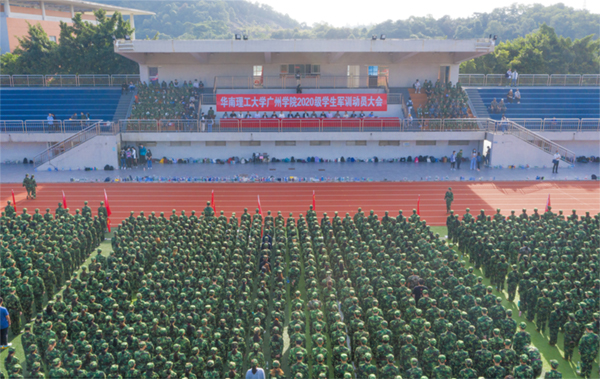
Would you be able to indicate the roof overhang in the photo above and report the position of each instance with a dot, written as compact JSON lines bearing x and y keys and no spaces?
{"x":390,"y":51}
{"x":94,"y":6}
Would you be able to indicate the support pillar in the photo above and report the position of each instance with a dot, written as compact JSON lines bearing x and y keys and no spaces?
{"x":43,"y":10}
{"x":132,"y":23}
{"x":6,"y":8}
{"x":72,"y":11}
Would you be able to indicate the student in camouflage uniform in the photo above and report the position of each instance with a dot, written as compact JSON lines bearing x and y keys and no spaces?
{"x":168,"y":259}
{"x":589,"y":346}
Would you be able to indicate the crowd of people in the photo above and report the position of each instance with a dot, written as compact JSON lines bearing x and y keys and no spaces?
{"x":167,"y":101}
{"x":203,"y":296}
{"x":132,"y":157}
{"x":443,"y":100}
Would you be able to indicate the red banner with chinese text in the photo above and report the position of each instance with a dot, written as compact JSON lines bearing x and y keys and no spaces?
{"x":302,"y":102}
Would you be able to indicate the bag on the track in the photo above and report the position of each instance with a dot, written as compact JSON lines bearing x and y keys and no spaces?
{"x":409,"y":158}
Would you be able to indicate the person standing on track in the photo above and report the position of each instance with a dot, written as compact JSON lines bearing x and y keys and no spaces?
{"x":555,"y":160}
{"x":27,"y":185}
{"x":453,"y":160}
{"x":459,"y":159}
{"x":449,"y":197}
{"x":33,"y":186}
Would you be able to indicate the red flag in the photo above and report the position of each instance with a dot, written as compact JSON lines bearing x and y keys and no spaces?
{"x":259,"y":207}
{"x":64,"y":200}
{"x":548,"y":204}
{"x":314,"y":202}
{"x":14,"y":202}
{"x":419,"y":206}
{"x":212,"y":201}
{"x":108,"y":212}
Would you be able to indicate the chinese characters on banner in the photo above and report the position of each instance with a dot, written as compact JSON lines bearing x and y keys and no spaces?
{"x":302,"y":102}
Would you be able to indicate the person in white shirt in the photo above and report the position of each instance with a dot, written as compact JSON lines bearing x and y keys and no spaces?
{"x":329,"y":114}
{"x":508,"y":76}
{"x":256,"y":114}
{"x":517,"y":96}
{"x":346,"y":115}
{"x":281,"y":114}
{"x":555,"y":161}
{"x":417,"y":86}
{"x":515,"y":76}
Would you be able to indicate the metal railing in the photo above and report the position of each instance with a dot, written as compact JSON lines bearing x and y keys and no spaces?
{"x":105,"y":80}
{"x":384,"y":124}
{"x":526,"y":80}
{"x":532,"y":138}
{"x":45,"y":126}
{"x":290,"y":82}
{"x":75,"y":140}
{"x":286,"y":124}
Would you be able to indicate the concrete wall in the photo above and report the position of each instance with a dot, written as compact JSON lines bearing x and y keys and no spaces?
{"x":16,"y":146}
{"x":581,"y":143}
{"x":16,"y":151}
{"x":340,"y":144}
{"x":97,"y":152}
{"x":508,"y":150}
{"x":401,"y":74}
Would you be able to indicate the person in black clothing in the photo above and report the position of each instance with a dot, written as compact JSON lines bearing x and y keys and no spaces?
{"x":418,"y":290}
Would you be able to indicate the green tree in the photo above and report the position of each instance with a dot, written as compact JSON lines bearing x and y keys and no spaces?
{"x":84,"y":48}
{"x":540,"y":52}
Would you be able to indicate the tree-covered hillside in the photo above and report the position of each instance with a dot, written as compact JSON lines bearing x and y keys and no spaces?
{"x":221,"y":19}
{"x":205,"y":19}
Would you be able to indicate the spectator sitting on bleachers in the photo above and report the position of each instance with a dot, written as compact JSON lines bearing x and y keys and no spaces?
{"x":518,"y":96}
{"x":417,"y":86}
{"x":510,"y":96}
{"x":445,"y":102}
{"x":494,"y":106}
{"x":162,"y":103}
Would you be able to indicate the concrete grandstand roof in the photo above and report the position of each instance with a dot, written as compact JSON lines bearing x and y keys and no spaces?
{"x":93,"y":6}
{"x":395,"y":50}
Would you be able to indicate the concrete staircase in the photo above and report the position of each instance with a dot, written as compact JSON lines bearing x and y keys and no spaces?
{"x":95,"y":146}
{"x":124,"y":105}
{"x":478,"y":108}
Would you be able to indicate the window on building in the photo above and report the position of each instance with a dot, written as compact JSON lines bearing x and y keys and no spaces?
{"x":426,"y":143}
{"x":216,"y":143}
{"x":458,"y":143}
{"x":249,"y":143}
{"x":285,"y":143}
{"x":52,"y":38}
{"x":304,"y":69}
{"x":258,"y":70}
{"x":356,"y":143}
{"x":180,"y":143}
{"x":373,"y":70}
{"x":389,"y":143}
{"x":320,"y":143}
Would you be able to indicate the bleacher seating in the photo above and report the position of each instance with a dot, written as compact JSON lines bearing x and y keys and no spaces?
{"x":36,"y":103}
{"x":548,"y":102}
{"x":166,"y":102}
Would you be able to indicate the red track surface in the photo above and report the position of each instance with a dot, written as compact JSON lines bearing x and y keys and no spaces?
{"x":330,"y":197}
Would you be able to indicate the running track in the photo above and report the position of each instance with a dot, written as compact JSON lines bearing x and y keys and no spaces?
{"x":330,"y":197}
